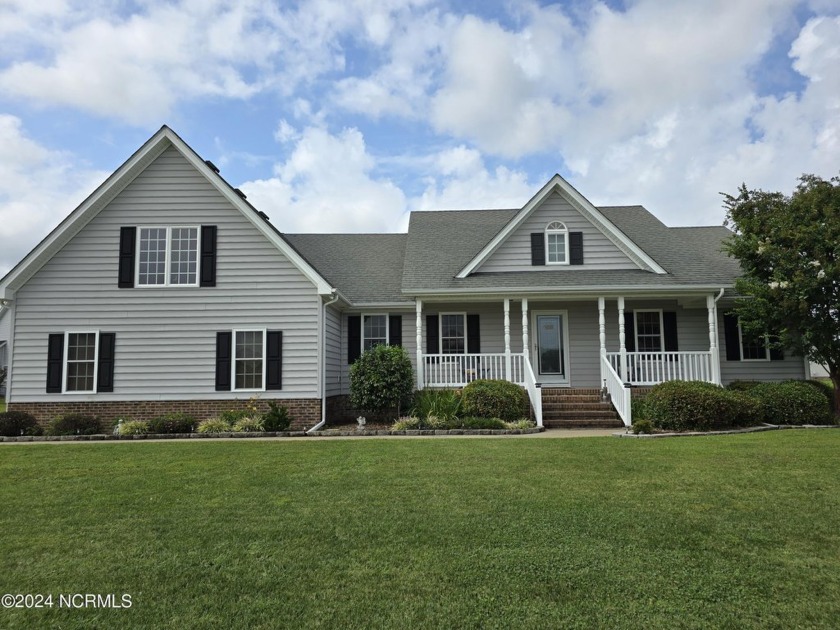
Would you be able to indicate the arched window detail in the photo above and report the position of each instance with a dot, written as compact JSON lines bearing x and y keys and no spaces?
{"x":556,"y":243}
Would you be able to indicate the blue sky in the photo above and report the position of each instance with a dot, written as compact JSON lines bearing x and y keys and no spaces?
{"x":346,"y":115}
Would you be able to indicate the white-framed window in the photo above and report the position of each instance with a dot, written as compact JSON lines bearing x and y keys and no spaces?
{"x":374,"y":330}
{"x":649,"y":327}
{"x":453,"y":333}
{"x":167,"y":256}
{"x":556,"y":244}
{"x":249,"y":360}
{"x":753,"y":349}
{"x":80,"y":358}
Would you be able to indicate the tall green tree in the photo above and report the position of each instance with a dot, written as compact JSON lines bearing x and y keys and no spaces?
{"x":789,"y":249}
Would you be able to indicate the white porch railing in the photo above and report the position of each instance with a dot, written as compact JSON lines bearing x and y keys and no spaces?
{"x":534,"y":393}
{"x":619,"y":394}
{"x":650,"y":368}
{"x":456,"y":370}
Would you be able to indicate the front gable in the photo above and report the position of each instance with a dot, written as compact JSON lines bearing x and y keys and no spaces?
{"x":594,"y":242}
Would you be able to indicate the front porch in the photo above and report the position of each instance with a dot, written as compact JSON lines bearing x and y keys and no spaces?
{"x":545,"y":360}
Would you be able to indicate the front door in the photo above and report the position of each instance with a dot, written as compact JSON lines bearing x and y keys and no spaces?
{"x":550,"y":348}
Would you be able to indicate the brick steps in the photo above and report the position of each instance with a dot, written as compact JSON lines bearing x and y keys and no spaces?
{"x":577,"y":408}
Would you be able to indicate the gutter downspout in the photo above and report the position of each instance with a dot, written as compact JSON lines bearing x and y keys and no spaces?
{"x":334,"y":294}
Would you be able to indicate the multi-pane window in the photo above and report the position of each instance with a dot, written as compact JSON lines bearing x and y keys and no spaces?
{"x":80,"y":365}
{"x":753,"y":348}
{"x":249,"y":359}
{"x":649,"y":331}
{"x":453,"y":333}
{"x":374,"y":331}
{"x":167,"y":256}
{"x":556,"y":243}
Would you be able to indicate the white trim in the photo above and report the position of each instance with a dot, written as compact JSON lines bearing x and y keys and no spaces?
{"x":65,"y":360}
{"x":644,"y":290}
{"x":551,"y":231}
{"x":741,"y":347}
{"x":585,"y":207}
{"x":167,"y":281}
{"x":387,"y":328}
{"x":440,"y":332}
{"x":535,"y":361}
{"x":661,"y":329}
{"x":233,"y":386}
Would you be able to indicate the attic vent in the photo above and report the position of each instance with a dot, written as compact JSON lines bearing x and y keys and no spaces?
{"x":211,"y":165}
{"x":263,"y":215}
{"x":240,"y":193}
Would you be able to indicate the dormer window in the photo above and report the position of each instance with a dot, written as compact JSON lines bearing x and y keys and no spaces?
{"x":556,"y":244}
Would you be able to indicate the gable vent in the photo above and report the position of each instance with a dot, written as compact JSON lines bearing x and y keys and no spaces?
{"x":240,"y":193}
{"x":213,"y":166}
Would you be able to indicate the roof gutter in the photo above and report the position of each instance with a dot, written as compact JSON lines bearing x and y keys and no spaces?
{"x":333,"y":300}
{"x":582,"y":290}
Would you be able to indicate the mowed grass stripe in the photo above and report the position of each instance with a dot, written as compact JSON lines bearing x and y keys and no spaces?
{"x":721,"y":531}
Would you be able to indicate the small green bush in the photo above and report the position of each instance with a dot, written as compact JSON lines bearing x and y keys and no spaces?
{"x":214,"y":425}
{"x":742,"y":386}
{"x":826,"y":388}
{"x":232,"y":416}
{"x":697,"y":406}
{"x":494,"y":399}
{"x":792,"y":402}
{"x":14,"y":423}
{"x":248,"y":425}
{"x":522,"y":423}
{"x":641,"y":426}
{"x":172,"y":423}
{"x":276,"y":418}
{"x":133,"y":427}
{"x":407,"y":423}
{"x":472,"y":422}
{"x":441,"y":403}
{"x":75,"y":424}
{"x":381,"y":380}
{"x":638,"y":408}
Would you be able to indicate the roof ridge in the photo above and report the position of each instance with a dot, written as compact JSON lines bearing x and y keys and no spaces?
{"x":465,"y":210}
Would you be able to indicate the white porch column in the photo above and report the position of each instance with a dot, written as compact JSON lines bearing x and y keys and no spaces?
{"x":713,"y":348}
{"x":525,"y":328}
{"x":621,"y":339}
{"x":419,"y":338}
{"x":602,"y":337}
{"x":508,"y":374}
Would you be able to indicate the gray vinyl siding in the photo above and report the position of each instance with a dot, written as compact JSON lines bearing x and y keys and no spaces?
{"x":166,"y":337}
{"x":333,"y":352}
{"x":598,"y":251}
{"x":409,"y":342}
{"x":791,"y":367}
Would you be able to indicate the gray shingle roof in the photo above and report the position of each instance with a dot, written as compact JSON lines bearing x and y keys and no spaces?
{"x":366,"y":268}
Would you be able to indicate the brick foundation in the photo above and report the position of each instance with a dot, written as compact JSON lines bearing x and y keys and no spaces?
{"x":304,"y":412}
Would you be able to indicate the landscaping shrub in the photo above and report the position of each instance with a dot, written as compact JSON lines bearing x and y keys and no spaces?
{"x":232,"y":416}
{"x":494,"y":399}
{"x":213,"y":425}
{"x":172,"y":423}
{"x":697,"y":406}
{"x":641,"y":426}
{"x":248,"y":425}
{"x":14,"y":423}
{"x":276,"y":418}
{"x":826,"y":388}
{"x":638,"y":408}
{"x":408,"y":423}
{"x":382,"y":379}
{"x":792,"y":402}
{"x":442,"y":403}
{"x":75,"y":424}
{"x":133,"y":427}
{"x":522,"y":423}
{"x":472,"y":422}
{"x":742,"y":386}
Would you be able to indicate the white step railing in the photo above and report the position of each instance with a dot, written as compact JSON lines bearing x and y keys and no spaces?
{"x":534,"y":393}
{"x":456,"y":370}
{"x":650,"y":368}
{"x":619,"y":394}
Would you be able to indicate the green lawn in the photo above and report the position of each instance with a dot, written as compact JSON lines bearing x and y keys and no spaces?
{"x":737,"y":531}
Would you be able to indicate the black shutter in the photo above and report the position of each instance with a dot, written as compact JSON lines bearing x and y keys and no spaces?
{"x":473,"y":334}
{"x":274,"y":359}
{"x":730,"y":337}
{"x":105,"y":369}
{"x":776,"y":353}
{"x":208,"y":256}
{"x":575,"y":248}
{"x":395,"y":330}
{"x":537,"y":249}
{"x":128,"y":239}
{"x":432,"y":335}
{"x":669,"y":322}
{"x":354,"y":338}
{"x":223,"y":359}
{"x":629,"y":332}
{"x":55,"y":361}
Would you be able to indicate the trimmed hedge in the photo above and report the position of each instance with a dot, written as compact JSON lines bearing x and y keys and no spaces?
{"x":381,"y":380}
{"x":75,"y":424}
{"x":15,"y":423}
{"x":792,"y":402}
{"x":172,"y":423}
{"x":494,"y":399}
{"x":699,"y":406}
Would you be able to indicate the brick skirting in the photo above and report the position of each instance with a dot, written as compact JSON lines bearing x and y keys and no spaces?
{"x":304,"y":412}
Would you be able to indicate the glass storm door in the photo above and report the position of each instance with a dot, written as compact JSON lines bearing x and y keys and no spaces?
{"x":550,"y":350}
